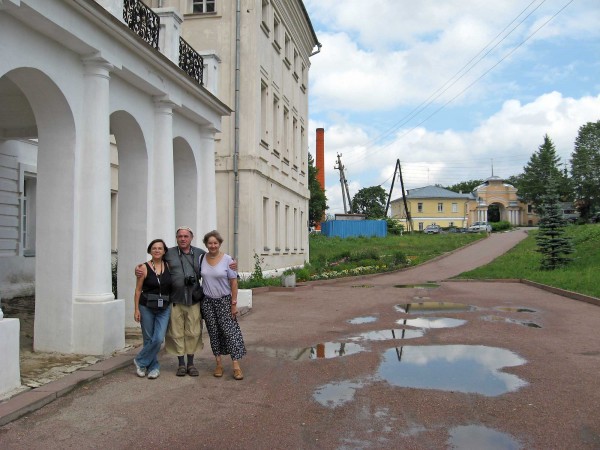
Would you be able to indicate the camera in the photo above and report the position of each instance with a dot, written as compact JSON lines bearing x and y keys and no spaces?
{"x":189,"y":280}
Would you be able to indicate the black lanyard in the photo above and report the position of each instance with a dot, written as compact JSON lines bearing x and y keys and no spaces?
{"x":157,"y":275}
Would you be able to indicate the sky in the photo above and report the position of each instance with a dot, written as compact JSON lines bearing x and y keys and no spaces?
{"x":454,"y":89}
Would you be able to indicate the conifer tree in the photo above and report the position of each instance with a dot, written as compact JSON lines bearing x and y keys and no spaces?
{"x":551,"y":240}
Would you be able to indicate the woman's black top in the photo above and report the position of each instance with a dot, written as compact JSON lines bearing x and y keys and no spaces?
{"x":154,"y":284}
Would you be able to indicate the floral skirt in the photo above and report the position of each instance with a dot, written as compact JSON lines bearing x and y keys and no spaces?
{"x":223,"y":329}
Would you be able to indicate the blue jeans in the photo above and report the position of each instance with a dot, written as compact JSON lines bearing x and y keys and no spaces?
{"x":154,"y":326}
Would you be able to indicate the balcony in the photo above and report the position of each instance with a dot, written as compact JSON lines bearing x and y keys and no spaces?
{"x":146,"y":24}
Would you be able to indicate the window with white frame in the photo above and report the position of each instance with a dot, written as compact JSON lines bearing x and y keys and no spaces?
{"x":203,"y":6}
{"x":277,"y":230}
{"x":454,"y":207}
{"x":265,"y":224}
{"x":440,"y":207}
{"x":420,"y":207}
{"x":28,"y":213}
{"x":277,"y":32}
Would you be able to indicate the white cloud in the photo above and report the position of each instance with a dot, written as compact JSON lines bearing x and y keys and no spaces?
{"x":508,"y":137}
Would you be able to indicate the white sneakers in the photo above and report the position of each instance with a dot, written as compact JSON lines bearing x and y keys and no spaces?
{"x":153,"y":375}
{"x":140,"y":371}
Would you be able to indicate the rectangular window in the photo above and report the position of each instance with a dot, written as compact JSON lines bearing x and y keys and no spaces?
{"x":265,"y":224}
{"x":420,"y":207}
{"x":454,"y":207}
{"x":295,"y":143}
{"x":420,"y":226}
{"x":28,"y":214}
{"x":275,"y":134}
{"x":440,"y":207}
{"x":203,"y":6}
{"x":295,"y":70}
{"x":277,"y":231}
{"x":264,"y":135}
{"x":287,"y":229}
{"x":277,"y":32}
{"x":286,"y":51}
{"x":295,"y":231}
{"x":286,"y":127}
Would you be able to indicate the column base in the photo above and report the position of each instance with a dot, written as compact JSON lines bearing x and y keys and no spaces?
{"x":10,"y":372}
{"x":98,"y":327}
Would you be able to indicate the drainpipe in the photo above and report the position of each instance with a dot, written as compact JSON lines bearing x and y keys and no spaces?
{"x":236,"y":148}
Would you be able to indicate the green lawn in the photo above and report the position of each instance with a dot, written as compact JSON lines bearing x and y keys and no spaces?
{"x":523,"y":262}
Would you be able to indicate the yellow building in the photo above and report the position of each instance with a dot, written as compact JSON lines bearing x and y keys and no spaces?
{"x":433,"y":205}
{"x":492,"y":201}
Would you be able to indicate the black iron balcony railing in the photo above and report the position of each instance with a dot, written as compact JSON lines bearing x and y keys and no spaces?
{"x":142,"y":20}
{"x":190,"y":61}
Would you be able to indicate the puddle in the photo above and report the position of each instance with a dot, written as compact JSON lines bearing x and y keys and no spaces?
{"x":433,"y":307}
{"x":462,"y":368}
{"x":514,"y":309}
{"x":429,"y":323}
{"x":383,"y":335}
{"x":479,"y":437}
{"x":333,"y":395}
{"x":320,"y":351}
{"x":359,"y":320}
{"x":510,"y":320}
{"x":418,"y":286}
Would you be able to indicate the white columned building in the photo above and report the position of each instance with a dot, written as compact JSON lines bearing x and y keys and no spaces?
{"x":72,"y":80}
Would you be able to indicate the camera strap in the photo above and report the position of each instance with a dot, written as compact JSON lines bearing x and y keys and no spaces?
{"x":191,"y":253}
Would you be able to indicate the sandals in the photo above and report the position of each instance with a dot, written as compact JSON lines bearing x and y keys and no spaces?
{"x":181,"y":371}
{"x":192,"y":371}
{"x":218,"y":371}
{"x":237,"y":374}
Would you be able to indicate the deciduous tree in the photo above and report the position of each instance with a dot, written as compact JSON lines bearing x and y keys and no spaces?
{"x":370,"y":201}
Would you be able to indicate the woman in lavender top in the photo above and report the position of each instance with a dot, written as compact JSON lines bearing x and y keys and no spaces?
{"x":219,"y":307}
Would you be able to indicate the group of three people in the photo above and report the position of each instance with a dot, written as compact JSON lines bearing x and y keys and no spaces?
{"x":169,"y":305}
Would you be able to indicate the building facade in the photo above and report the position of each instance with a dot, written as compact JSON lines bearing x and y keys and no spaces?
{"x":492,"y":201}
{"x":262,"y":152}
{"x":75,"y":77}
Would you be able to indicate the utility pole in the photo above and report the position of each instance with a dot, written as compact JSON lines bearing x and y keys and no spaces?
{"x":344,"y":185}
{"x":398,"y":170}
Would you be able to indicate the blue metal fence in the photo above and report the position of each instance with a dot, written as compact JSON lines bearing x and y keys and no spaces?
{"x":354,"y":228}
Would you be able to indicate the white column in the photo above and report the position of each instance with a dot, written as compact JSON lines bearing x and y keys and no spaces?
{"x":207,"y":196}
{"x":10,"y":375}
{"x":98,"y":319}
{"x":94,"y":209}
{"x":161,"y":197}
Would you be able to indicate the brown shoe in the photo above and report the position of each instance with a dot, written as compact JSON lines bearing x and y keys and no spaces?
{"x":237,"y":374}
{"x":218,"y":371}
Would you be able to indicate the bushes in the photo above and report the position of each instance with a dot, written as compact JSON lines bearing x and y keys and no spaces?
{"x":503,"y":225}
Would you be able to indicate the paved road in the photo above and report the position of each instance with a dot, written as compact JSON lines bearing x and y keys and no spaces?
{"x":331,"y":367}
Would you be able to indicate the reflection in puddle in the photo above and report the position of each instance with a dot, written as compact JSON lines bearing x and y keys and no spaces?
{"x":366,"y":319}
{"x":333,"y":395}
{"x":433,"y":307}
{"x":319,"y":351}
{"x":514,"y":309}
{"x":418,"y":286}
{"x":432,"y":322}
{"x":463,"y":368}
{"x":382,"y":335}
{"x":480,"y":437}
{"x":509,"y":320}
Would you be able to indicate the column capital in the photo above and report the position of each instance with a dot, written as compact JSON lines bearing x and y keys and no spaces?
{"x":95,"y":64}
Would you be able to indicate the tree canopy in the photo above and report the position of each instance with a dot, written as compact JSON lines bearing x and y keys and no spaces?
{"x":465,"y":186}
{"x":585,"y":169}
{"x":542,"y":168}
{"x":318,"y":201}
{"x":370,"y":201}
